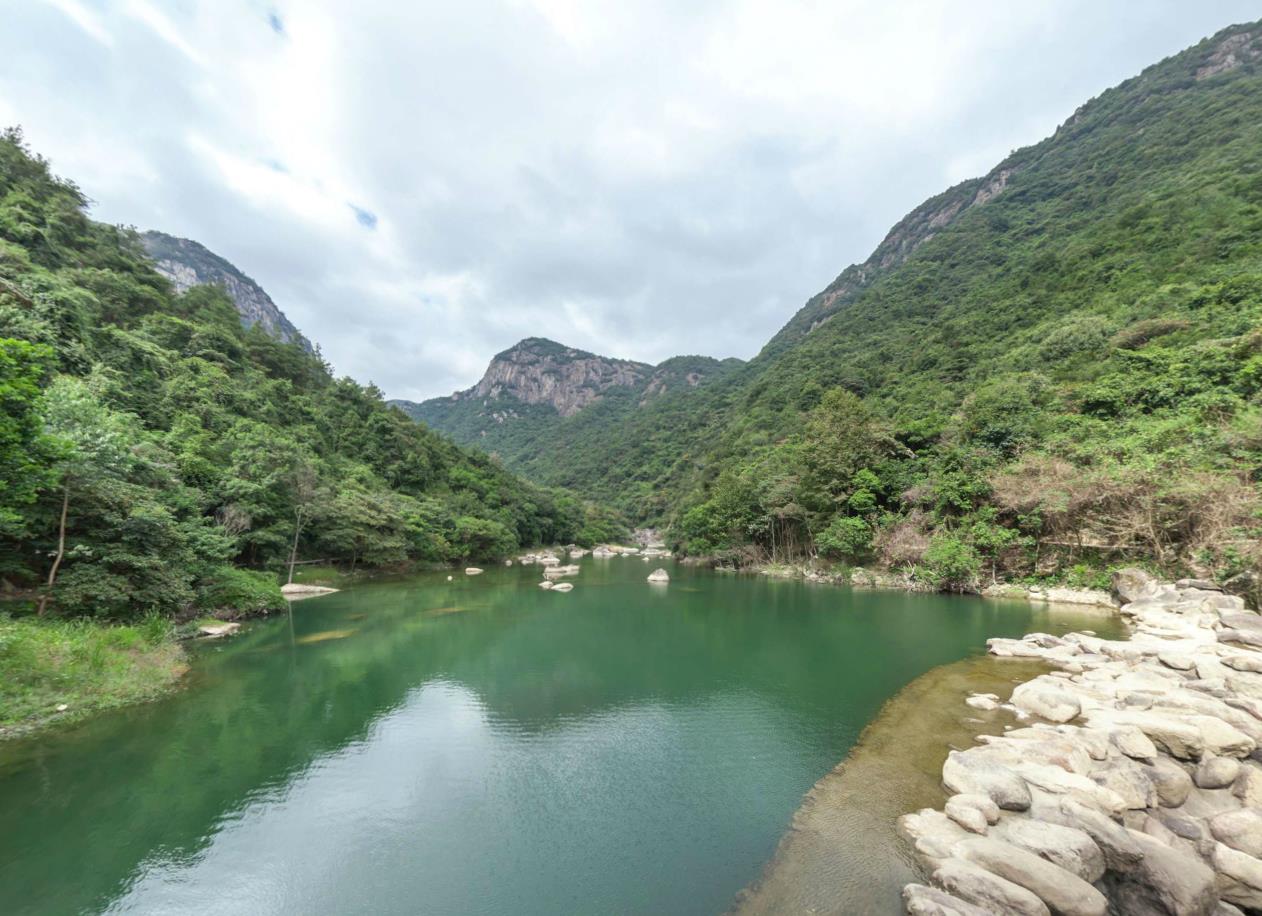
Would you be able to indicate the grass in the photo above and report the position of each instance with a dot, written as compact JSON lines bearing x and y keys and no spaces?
{"x":84,"y":666}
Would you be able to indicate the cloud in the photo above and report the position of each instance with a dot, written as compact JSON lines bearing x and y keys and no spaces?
{"x":420,"y":185}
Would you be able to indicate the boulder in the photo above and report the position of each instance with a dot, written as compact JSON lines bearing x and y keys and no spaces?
{"x":1203,"y":584}
{"x":1130,"y":782}
{"x":1121,"y":852}
{"x":1241,"y":830}
{"x":659,"y":575}
{"x":1239,"y":877}
{"x":1248,"y":786}
{"x":1063,"y":892}
{"x":563,"y":587}
{"x":472,"y":571}
{"x":1172,"y":733}
{"x":1176,"y":660}
{"x":1070,"y":848}
{"x":1164,"y":880}
{"x":988,"y":891}
{"x":1223,"y":739}
{"x":546,"y":583}
{"x":218,"y":630}
{"x":982,"y":701}
{"x":1171,"y":781}
{"x":922,"y":900}
{"x":969,"y":773}
{"x":1249,"y":662}
{"x":1041,"y":698}
{"x":1132,"y":584}
{"x":932,"y":833}
{"x":1216,"y":772}
{"x":1133,"y":743}
{"x":971,"y":811}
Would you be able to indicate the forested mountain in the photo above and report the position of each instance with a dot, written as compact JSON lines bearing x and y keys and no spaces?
{"x":1041,"y":371}
{"x":187,"y":263}
{"x":157,"y":455}
{"x":538,"y":392}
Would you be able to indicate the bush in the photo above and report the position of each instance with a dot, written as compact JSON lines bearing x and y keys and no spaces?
{"x":950,"y":564}
{"x":232,"y":592}
{"x":1085,"y":334}
{"x":847,"y":537}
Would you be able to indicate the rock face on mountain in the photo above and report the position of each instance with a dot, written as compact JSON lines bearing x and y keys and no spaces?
{"x":536,"y":384}
{"x":187,"y":263}
{"x":540,"y":371}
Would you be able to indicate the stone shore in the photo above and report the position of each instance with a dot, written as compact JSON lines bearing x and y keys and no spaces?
{"x":1131,"y":782}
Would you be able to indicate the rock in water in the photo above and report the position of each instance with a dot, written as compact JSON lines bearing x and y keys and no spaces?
{"x":216,"y":630}
{"x":659,"y":575}
{"x":472,"y":571}
{"x":563,"y":587}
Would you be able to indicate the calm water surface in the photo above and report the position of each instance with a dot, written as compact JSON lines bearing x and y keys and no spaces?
{"x":478,"y":746}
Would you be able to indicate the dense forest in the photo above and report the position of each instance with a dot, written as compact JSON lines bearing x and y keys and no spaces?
{"x":157,"y":457}
{"x":1039,"y":373}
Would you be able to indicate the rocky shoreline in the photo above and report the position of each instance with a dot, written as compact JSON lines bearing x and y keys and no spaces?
{"x":1131,"y":781}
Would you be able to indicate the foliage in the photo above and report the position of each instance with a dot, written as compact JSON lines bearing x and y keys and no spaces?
{"x":231,"y":591}
{"x":176,"y":444}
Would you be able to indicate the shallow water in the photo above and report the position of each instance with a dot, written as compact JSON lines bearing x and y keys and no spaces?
{"x":479,"y":746}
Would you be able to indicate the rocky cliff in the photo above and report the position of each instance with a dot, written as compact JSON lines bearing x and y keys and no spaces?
{"x":540,"y":371}
{"x":187,"y":263}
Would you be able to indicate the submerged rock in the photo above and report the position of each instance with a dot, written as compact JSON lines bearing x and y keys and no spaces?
{"x":218,"y":630}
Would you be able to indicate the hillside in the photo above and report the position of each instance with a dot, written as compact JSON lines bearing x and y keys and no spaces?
{"x":156,"y":456}
{"x":187,"y":263}
{"x":1041,"y":371}
{"x":539,"y":391}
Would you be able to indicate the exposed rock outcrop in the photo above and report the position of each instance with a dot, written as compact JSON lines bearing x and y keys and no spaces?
{"x":1134,"y":786}
{"x":187,"y":264}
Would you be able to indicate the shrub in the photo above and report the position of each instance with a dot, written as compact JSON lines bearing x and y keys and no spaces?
{"x":950,"y":564}
{"x":1085,"y":334}
{"x":1134,"y":336}
{"x":847,"y":537}
{"x":228,"y":591}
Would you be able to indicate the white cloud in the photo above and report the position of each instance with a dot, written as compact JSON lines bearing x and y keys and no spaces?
{"x":636,"y":179}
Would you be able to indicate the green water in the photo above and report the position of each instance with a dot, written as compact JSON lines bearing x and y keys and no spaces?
{"x":478,"y":746}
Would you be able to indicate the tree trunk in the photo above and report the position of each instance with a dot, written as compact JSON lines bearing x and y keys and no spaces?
{"x":61,"y":551}
{"x":293,"y":552}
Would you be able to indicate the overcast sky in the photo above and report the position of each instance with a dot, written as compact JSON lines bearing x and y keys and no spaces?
{"x":419,"y":185}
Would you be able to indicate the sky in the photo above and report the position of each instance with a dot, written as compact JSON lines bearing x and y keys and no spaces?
{"x":418,"y":185}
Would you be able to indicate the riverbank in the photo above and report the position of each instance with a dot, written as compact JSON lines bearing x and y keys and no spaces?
{"x":903,"y":581}
{"x":836,"y":856}
{"x":59,"y":672}
{"x":1126,"y":781}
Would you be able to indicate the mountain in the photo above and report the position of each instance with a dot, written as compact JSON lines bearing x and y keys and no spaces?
{"x":1044,"y":371}
{"x":187,"y":263}
{"x":531,"y":390}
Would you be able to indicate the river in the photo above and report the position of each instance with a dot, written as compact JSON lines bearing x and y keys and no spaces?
{"x":479,"y":746}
